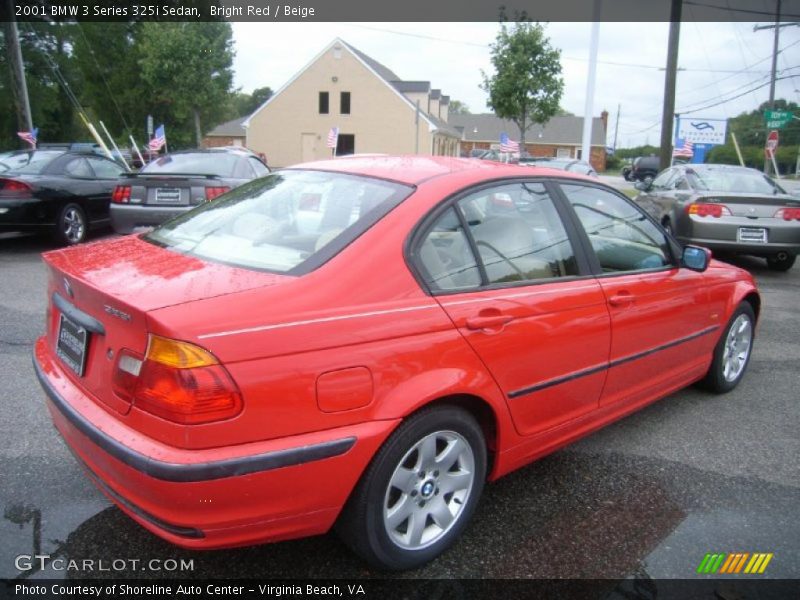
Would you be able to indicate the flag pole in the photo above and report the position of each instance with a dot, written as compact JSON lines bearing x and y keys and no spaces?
{"x":135,"y":147}
{"x":113,"y":143}
{"x":96,"y":135}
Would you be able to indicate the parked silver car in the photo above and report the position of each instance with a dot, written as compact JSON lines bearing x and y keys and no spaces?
{"x":728,"y":209}
{"x":175,"y":183}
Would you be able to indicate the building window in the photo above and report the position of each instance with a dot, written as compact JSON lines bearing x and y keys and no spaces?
{"x":323,"y":103}
{"x":344,"y":103}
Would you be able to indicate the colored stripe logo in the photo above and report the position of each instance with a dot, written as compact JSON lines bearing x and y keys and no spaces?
{"x":733,"y":563}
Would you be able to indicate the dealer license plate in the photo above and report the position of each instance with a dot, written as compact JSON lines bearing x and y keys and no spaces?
{"x":752,"y":234}
{"x":71,"y":345}
{"x":168,"y":195}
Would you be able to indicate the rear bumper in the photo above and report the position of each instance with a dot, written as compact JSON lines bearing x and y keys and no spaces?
{"x":130,"y":218}
{"x":238,"y":495}
{"x":28,"y":214}
{"x":721,"y":234}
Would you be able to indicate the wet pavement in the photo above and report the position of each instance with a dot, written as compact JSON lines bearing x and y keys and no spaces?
{"x":646,"y":497}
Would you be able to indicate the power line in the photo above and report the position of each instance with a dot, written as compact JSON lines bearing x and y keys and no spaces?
{"x":733,"y":98}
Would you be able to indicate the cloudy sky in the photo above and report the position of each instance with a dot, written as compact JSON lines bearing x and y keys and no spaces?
{"x":719,"y":61}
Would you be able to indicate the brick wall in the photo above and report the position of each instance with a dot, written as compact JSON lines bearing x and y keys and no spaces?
{"x":221,"y":140}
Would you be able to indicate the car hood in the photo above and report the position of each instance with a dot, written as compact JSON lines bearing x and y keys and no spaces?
{"x":148,"y":277}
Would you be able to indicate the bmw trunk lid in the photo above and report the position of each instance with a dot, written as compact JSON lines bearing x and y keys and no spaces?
{"x":100,"y":295}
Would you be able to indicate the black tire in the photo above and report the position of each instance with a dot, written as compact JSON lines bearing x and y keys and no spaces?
{"x":781,"y":262}
{"x":71,"y":225}
{"x":647,"y":179}
{"x":365,"y":523}
{"x":718,"y":379}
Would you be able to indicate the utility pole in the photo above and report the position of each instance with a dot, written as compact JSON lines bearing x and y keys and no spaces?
{"x":588,"y":117}
{"x":670,"y":79}
{"x":19,"y":87}
{"x":777,"y":27}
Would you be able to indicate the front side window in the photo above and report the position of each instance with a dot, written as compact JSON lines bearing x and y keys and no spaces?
{"x":287,"y":222}
{"x":323,"y":103}
{"x":514,"y":231}
{"x":105,"y":169}
{"x":622,"y":237}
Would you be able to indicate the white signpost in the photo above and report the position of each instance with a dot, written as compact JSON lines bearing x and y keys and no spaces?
{"x":702,"y":131}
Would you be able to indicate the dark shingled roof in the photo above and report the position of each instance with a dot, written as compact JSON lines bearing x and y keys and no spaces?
{"x":412,"y":86}
{"x":558,"y":130}
{"x":435,"y":94}
{"x":229,"y":129}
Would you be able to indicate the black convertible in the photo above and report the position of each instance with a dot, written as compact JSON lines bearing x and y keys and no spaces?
{"x":58,"y":192}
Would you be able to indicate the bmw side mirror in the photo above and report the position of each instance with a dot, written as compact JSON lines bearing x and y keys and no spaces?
{"x":696,"y":258}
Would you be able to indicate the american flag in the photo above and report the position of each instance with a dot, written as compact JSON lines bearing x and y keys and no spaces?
{"x":506,"y":145}
{"x":683,"y":149}
{"x":333,"y":137}
{"x":159,"y":139}
{"x":29,"y":136}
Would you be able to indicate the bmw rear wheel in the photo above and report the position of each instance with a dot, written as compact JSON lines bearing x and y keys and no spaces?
{"x":71,"y":225}
{"x":732,"y":353}
{"x":419,"y":492}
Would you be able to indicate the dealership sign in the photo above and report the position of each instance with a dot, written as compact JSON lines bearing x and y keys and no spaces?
{"x":702,"y":131}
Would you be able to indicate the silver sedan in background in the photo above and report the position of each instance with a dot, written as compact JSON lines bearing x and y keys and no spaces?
{"x":727,"y":209}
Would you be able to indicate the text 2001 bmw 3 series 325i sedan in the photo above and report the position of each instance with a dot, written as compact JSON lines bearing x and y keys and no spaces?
{"x":365,"y":342}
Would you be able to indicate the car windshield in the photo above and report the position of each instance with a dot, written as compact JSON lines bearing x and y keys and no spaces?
{"x":745,"y":181}
{"x":288,"y":222}
{"x":31,"y":162}
{"x":220,"y":164}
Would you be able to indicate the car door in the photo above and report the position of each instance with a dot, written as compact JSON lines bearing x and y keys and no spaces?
{"x":500,"y":261}
{"x":661,"y":322}
{"x":107,"y":174}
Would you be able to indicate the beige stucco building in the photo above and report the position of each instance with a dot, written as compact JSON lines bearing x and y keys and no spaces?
{"x":375,"y":111}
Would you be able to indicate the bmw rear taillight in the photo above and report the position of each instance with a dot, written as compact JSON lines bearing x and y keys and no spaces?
{"x":702,"y":209}
{"x":788,"y":214}
{"x":214,"y":191}
{"x":177,"y":381}
{"x":121,"y":194}
{"x":12,"y":185}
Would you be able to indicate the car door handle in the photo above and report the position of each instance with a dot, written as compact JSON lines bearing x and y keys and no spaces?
{"x":621,"y":299}
{"x":488,"y":321}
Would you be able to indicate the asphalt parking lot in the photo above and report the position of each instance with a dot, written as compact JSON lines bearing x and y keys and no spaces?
{"x":647,"y":497}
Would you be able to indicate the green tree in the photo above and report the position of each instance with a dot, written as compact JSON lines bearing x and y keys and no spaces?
{"x":458,"y":108}
{"x":107,"y":56}
{"x":243,"y":104}
{"x":526,"y":86}
{"x":187,"y":72}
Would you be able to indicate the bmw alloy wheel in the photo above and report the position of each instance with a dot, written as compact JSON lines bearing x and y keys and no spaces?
{"x":428,"y":490}
{"x":737,"y":347}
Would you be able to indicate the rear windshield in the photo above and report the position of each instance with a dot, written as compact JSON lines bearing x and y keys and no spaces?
{"x":32,"y":162}
{"x":287,"y":222}
{"x":217,"y":163}
{"x":742,"y":181}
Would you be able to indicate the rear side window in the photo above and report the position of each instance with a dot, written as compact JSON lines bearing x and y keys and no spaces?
{"x":78,"y":167}
{"x":211,"y":163}
{"x":288,"y":222}
{"x":622,"y":237}
{"x":105,"y":169}
{"x":258,"y":167}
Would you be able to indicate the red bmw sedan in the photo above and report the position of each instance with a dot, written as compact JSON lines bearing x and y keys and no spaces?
{"x":365,"y":342}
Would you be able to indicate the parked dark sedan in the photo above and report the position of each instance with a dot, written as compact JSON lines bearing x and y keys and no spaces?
{"x":53,"y":191}
{"x":175,"y":183}
{"x":727,"y":209}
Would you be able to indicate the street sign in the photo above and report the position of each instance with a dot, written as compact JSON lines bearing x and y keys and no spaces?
{"x":777,"y":119}
{"x":149,"y":126}
{"x":772,"y":143}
